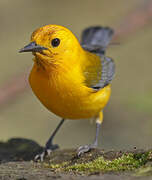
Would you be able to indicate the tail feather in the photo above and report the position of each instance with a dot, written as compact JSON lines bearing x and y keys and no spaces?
{"x":96,"y":39}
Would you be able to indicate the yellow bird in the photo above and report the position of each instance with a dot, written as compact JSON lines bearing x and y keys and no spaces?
{"x":71,"y":79}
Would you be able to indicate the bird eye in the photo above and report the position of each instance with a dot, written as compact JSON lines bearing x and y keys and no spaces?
{"x":55,"y":42}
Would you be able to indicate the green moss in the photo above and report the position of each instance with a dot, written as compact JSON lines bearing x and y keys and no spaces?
{"x":126,"y":162}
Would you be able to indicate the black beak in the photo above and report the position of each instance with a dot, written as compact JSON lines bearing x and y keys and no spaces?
{"x":32,"y":47}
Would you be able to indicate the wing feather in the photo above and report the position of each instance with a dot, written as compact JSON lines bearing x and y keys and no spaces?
{"x":101,"y":69}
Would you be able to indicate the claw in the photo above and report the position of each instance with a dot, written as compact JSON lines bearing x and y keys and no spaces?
{"x":40,"y":157}
{"x":47,"y":152}
{"x":84,"y":149}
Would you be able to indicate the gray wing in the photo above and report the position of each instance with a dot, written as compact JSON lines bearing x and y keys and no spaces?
{"x":95,"y":40}
{"x":107,"y":74}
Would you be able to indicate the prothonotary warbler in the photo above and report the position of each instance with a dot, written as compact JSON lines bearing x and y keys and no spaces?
{"x":71,"y":79}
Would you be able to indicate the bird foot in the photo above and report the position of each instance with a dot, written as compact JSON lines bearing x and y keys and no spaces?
{"x":46,"y":153}
{"x":84,"y":149}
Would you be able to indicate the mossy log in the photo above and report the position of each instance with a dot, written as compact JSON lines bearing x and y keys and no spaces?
{"x":16,"y":163}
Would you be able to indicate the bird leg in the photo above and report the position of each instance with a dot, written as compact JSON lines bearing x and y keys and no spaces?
{"x":87,"y":148}
{"x":49,"y":147}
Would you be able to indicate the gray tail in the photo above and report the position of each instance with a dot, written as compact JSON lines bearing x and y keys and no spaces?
{"x":96,"y":39}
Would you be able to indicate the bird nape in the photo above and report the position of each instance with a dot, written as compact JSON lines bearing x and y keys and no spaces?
{"x":71,"y":79}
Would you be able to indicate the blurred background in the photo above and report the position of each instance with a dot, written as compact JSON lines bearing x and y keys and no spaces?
{"x":127,"y":117}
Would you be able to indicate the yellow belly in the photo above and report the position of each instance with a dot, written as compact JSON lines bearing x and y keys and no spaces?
{"x":67,"y":100}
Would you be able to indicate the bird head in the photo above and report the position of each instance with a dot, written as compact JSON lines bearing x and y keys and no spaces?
{"x":53,"y":44}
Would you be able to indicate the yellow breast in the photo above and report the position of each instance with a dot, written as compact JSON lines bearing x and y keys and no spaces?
{"x":66,"y":97}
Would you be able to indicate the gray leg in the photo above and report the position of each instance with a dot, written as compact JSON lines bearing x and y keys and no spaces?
{"x":86,"y":148}
{"x":49,"y":147}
